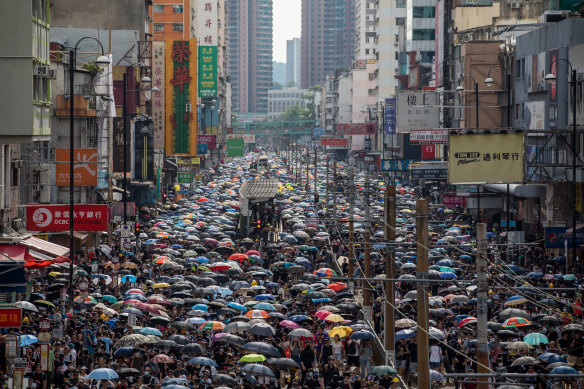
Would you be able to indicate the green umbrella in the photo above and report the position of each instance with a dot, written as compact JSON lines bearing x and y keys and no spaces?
{"x":569,"y":277}
{"x":109,"y":298}
{"x":81,"y":272}
{"x":535,"y":339}
{"x":253,"y":358}
{"x":383,"y":370}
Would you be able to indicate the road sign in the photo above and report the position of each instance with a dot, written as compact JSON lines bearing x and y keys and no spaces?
{"x":45,"y":324}
{"x":398,"y":164}
{"x":430,"y":171}
{"x":126,"y":230}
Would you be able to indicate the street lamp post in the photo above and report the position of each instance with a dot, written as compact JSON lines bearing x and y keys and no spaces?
{"x":551,"y":78}
{"x":102,"y":62}
{"x":490,"y":82}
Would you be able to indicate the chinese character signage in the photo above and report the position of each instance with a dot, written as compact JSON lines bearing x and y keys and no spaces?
{"x":84,"y":167}
{"x":485,"y":158}
{"x":209,"y":140}
{"x":10,"y":317}
{"x":158,"y":81}
{"x":356,"y":128}
{"x":207,"y":71}
{"x":390,"y":115}
{"x":181,"y":97}
{"x":335,"y":143}
{"x":118,"y":146}
{"x":417,"y":110}
{"x":88,"y":217}
{"x":207,"y":22}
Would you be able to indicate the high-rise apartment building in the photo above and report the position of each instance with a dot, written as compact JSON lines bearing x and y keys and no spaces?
{"x":390,"y":20}
{"x":328,"y":38}
{"x":293,"y":61}
{"x":421,"y":33}
{"x":365,"y":29}
{"x":249,"y":52}
{"x":171,"y":19}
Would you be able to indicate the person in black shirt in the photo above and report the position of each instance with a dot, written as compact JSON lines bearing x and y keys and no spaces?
{"x":306,"y":359}
{"x":329,"y":371}
{"x":326,"y":351}
{"x":413,"y":358}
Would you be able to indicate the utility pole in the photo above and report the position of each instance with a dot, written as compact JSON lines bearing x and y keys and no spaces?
{"x":307,"y":188}
{"x":351,"y":224}
{"x":335,"y":194}
{"x":389,"y":235}
{"x":422,"y":300}
{"x":367,"y":291}
{"x":326,"y":200}
{"x":482,"y":290}
{"x":315,"y":180}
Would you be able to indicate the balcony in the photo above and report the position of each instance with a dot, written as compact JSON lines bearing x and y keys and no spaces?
{"x":82,"y":107}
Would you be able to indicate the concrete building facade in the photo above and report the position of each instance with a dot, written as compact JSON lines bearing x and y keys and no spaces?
{"x":390,"y":18}
{"x":327,"y":38}
{"x":365,"y":29}
{"x":249,"y":53}
{"x":294,"y":61}
{"x":171,"y":19}
{"x":282,"y":99}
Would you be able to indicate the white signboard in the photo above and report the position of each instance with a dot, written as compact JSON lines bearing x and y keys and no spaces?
{"x":207,"y":25}
{"x":534,"y":115}
{"x":126,"y":230}
{"x":429,"y":136}
{"x":158,"y":99}
{"x":247,"y":138}
{"x":417,"y":110}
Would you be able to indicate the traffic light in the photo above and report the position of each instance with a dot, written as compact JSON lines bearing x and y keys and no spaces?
{"x":259,"y":223}
{"x":316,"y":198}
{"x":137,"y":230}
{"x":164,"y":198}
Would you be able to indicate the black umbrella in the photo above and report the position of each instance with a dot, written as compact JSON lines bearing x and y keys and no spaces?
{"x":128,"y":372}
{"x":203,"y":292}
{"x":167,"y":345}
{"x":193,"y":348}
{"x":223,"y":250}
{"x":181,"y":340}
{"x":283,"y":363}
{"x":549,"y":321}
{"x":262,"y":348}
{"x":233,"y":339}
{"x":225,"y":379}
{"x":240,"y":318}
{"x":182,"y":325}
{"x":263,"y":329}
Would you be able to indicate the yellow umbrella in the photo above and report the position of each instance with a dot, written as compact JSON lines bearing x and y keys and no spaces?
{"x":160,"y":285}
{"x":55,"y":274}
{"x":342,"y":331}
{"x":334,"y":318}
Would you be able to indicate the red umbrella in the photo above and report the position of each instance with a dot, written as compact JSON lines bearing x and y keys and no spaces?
{"x":148,"y":308}
{"x":157,"y":300}
{"x":322,"y":314}
{"x":237,"y":257}
{"x":253,"y":252}
{"x":467,"y":320}
{"x":336,"y":286}
{"x":219,"y":267}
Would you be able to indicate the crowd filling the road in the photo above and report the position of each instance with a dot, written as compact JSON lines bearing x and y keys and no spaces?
{"x":197,"y":304}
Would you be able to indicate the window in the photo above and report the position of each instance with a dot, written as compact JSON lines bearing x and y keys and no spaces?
{"x":427,"y":56}
{"x":424,"y":12}
{"x":158,"y":8}
{"x":177,"y":27}
{"x":423,"y":34}
{"x":158,"y":26}
{"x":177,"y":9}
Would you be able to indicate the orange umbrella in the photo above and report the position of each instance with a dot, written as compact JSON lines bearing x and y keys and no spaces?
{"x":257,"y":314}
{"x":237,"y":257}
{"x":336,"y":286}
{"x":212,"y":325}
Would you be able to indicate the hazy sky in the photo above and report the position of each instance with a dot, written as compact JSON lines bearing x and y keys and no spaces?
{"x":287,"y":25}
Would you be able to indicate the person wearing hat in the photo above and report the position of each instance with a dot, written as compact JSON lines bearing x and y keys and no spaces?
{"x":329,"y":371}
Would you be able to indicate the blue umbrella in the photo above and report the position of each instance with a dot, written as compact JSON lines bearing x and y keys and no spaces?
{"x":201,"y":307}
{"x":102,"y":374}
{"x":237,"y":306}
{"x":405,"y":334}
{"x":124,"y":351}
{"x":534,"y":275}
{"x":150,"y":331}
{"x":362,"y":335}
{"x":563,"y":370}
{"x":264,"y":297}
{"x":447,"y":275}
{"x":445,"y":262}
{"x":264,"y":306}
{"x":551,"y":358}
{"x":134,"y":311}
{"x":203,"y":361}
{"x":298,"y":318}
{"x":27,"y":340}
{"x":174,"y":381}
{"x":129,"y":278}
{"x":321,"y":300}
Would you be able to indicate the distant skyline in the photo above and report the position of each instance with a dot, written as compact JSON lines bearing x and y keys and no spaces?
{"x":287,"y":25}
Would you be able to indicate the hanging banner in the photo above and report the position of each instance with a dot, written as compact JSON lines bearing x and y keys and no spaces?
{"x":390,"y":115}
{"x":84,"y":167}
{"x":88,"y":217}
{"x":485,"y":158}
{"x":207,"y":22}
{"x":356,"y":128}
{"x":118,"y":146}
{"x":144,"y":150}
{"x":181,"y":97}
{"x":207,"y":71}
{"x":235,"y":147}
{"x":158,"y":81}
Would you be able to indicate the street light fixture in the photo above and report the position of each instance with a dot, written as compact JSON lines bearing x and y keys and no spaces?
{"x":551,"y":78}
{"x":102,"y":62}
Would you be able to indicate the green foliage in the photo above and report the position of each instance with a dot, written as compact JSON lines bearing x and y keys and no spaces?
{"x":92,"y":68}
{"x":277,"y":86}
{"x":295,"y":112}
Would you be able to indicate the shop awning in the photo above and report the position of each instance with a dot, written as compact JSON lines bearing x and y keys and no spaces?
{"x":517,"y":190}
{"x":259,"y":190}
{"x":45,"y":247}
{"x":12,"y":263}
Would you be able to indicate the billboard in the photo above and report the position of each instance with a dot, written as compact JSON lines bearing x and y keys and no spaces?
{"x":209,"y":140}
{"x":431,"y":171}
{"x":158,"y":81}
{"x":207,"y":28}
{"x":88,"y":217}
{"x":356,"y":128}
{"x":207,"y":71}
{"x":390,"y":115}
{"x":534,"y":115}
{"x":181,"y":97}
{"x":417,"y":110}
{"x":118,"y":146}
{"x":552,"y":67}
{"x":485,"y":158}
{"x":144,"y":151}
{"x":429,"y":136}
{"x":556,"y":238}
{"x":235,"y":147}
{"x":84,"y":167}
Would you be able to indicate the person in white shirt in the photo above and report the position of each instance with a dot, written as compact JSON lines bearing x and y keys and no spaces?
{"x":435,"y":357}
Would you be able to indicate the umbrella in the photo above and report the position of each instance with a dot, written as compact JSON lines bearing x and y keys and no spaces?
{"x":252,"y":358}
{"x":301,"y":332}
{"x":362,"y":335}
{"x":128,"y":372}
{"x":263,"y":329}
{"x":261,"y":348}
{"x":519,"y":346}
{"x":289,"y":324}
{"x":257,"y":370}
{"x":193,"y":348}
{"x":334,"y":318}
{"x":149,"y":331}
{"x":124,"y":351}
{"x":405,"y":334}
{"x":342,"y":331}
{"x":27,"y":340}
{"x":516,"y":322}
{"x":405,"y":323}
{"x":551,"y":358}
{"x":131,"y":340}
{"x":233,"y":339}
{"x":563,"y":370}
{"x":525,"y":361}
{"x":382,"y":370}
{"x":225,"y":379}
{"x":257,"y":314}
{"x":513,"y":312}
{"x":204,"y":361}
{"x":236,"y":326}
{"x":212,"y":325}
{"x":535,"y":339}
{"x":284,"y":363}
{"x":162,"y":358}
{"x":26,"y":306}
{"x":167,"y":344}
{"x":102,"y":374}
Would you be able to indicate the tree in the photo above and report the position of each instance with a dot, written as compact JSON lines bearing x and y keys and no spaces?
{"x":295,"y":112}
{"x":277,"y":86}
{"x":290,"y":84}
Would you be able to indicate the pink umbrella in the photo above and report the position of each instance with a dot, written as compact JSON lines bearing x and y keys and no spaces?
{"x":289,"y":324}
{"x":219,"y":335}
{"x":148,"y":308}
{"x":322,"y":314}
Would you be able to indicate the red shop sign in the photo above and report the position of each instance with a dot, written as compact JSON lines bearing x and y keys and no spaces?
{"x":209,"y":140}
{"x":452,"y":200}
{"x":87,"y":217}
{"x":10,"y":317}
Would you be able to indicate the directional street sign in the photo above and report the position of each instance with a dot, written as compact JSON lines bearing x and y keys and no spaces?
{"x":126,"y":230}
